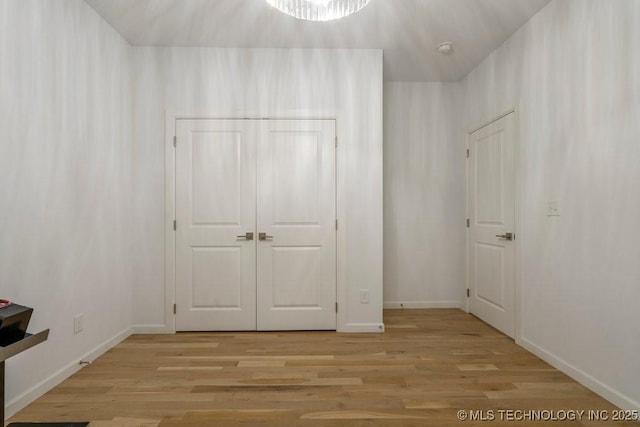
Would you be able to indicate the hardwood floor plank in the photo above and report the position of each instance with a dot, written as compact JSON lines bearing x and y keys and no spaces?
{"x":356,"y":415}
{"x":168,"y":345}
{"x":478,"y":367}
{"x":261,"y":364}
{"x":190,"y":368}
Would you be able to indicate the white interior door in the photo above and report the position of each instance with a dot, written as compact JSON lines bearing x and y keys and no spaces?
{"x":215,"y":208}
{"x":275,"y":177}
{"x":492,"y":221}
{"x":297,"y":214}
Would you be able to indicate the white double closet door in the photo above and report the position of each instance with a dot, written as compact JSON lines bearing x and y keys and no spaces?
{"x":256,"y":225}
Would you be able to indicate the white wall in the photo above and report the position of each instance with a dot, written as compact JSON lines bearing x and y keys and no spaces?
{"x":573,"y":73}
{"x":424,"y":196}
{"x":263,"y":83}
{"x":65,"y":246}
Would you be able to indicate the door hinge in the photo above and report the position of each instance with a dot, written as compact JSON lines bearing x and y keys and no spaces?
{"x":336,"y":224}
{"x":468,"y":293}
{"x":175,"y":225}
{"x":336,"y":141}
{"x":336,"y":307}
{"x":467,"y":153}
{"x":174,"y":308}
{"x":175,"y":140}
{"x":468,"y":222}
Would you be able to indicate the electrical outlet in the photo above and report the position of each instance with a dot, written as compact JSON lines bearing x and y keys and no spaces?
{"x":78,"y":321}
{"x":364,"y":296}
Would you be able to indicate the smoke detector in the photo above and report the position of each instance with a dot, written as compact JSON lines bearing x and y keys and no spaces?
{"x":445,"y":48}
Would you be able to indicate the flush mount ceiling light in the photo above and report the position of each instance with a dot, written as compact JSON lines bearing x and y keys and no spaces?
{"x":318,"y":10}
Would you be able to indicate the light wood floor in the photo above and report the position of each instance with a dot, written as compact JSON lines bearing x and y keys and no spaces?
{"x":427,"y":366}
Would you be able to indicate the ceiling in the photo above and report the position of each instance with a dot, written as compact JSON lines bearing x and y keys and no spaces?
{"x":408,"y":30}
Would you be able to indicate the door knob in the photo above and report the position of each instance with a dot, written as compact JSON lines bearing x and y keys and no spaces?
{"x":247,"y":236}
{"x":263,"y":236}
{"x":506,"y":236}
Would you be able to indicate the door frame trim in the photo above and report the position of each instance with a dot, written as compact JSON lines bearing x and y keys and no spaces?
{"x":171,"y":118}
{"x":517,"y":164}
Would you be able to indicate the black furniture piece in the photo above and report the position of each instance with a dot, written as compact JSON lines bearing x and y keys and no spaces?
{"x":14,"y":319}
{"x":10,"y":350}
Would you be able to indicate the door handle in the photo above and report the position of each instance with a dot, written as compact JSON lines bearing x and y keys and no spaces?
{"x":505,"y":236}
{"x":263,"y":236}
{"x":247,"y":236}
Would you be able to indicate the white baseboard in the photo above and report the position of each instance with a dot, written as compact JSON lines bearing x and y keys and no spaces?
{"x":422,"y":304}
{"x":151,"y":329}
{"x":47,"y":384}
{"x":349,"y":328}
{"x":363,"y":328}
{"x":614,"y":396}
